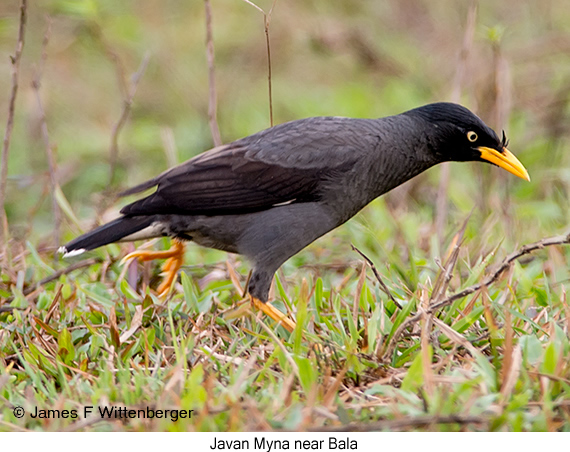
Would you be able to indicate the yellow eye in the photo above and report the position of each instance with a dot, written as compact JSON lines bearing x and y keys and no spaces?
{"x":472,"y":136}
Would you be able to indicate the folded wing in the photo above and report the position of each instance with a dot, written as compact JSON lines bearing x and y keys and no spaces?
{"x":288,"y":163}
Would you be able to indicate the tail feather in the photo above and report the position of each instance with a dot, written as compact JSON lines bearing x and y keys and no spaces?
{"x":108,"y":233}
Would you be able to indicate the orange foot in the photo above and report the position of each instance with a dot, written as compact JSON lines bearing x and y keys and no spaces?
{"x":274,"y":313}
{"x":175,"y":259}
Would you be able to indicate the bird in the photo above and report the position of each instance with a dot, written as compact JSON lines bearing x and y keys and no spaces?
{"x":269,"y":195}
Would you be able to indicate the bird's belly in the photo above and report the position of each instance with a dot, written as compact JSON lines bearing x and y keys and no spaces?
{"x":220,"y":232}
{"x":271,"y":237}
{"x":212,"y":241}
{"x":266,"y":237}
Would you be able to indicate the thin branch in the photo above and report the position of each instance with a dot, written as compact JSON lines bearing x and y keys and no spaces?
{"x":213,"y":99}
{"x":127,"y":104}
{"x":378,"y":277}
{"x":268,"y":45}
{"x":466,"y":46}
{"x":15,"y":60}
{"x":82,"y":424}
{"x":503,"y":100}
{"x":63,"y":271}
{"x":53,"y":277}
{"x":52,"y":166}
{"x":487,"y":281}
{"x":255,"y":6}
{"x":444,"y":276}
{"x":442,"y":198}
{"x":266,"y":22}
{"x":404,"y":423}
{"x":502,"y":109}
{"x":114,"y":57}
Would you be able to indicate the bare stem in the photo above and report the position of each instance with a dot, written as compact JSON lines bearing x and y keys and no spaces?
{"x":378,"y":277}
{"x":266,"y":22}
{"x":442,"y":202}
{"x":52,"y":165}
{"x":405,"y":423}
{"x":213,"y":99}
{"x":502,"y":111}
{"x":127,"y":104}
{"x":10,"y":122}
{"x":53,"y":277}
{"x":270,"y":89}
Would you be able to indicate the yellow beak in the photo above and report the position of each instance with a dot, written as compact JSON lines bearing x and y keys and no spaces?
{"x":505,"y":160}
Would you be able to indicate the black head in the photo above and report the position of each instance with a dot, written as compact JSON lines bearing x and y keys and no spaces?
{"x":456,"y":134}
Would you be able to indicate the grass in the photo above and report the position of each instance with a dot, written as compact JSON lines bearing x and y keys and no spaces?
{"x":496,"y":359}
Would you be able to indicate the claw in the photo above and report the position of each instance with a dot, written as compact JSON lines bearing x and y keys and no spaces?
{"x":274,"y":313}
{"x":175,"y":259}
{"x":170,"y":268}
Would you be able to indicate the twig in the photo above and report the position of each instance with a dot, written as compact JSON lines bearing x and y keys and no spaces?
{"x":56,"y":275}
{"x":115,"y":59}
{"x":267,"y":43}
{"x":400,"y":424}
{"x":52,"y":166}
{"x":127,"y":104}
{"x":84,"y":423}
{"x":266,"y":22}
{"x":465,"y":50}
{"x":444,"y":277}
{"x":503,"y":101}
{"x":63,"y":271}
{"x":213,"y":99}
{"x":442,"y":201}
{"x":490,"y":279}
{"x":425,"y":328}
{"x":15,"y":60}
{"x":502,"y":86}
{"x":378,"y":277}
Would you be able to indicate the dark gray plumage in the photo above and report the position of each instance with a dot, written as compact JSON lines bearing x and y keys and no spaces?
{"x":269,"y":195}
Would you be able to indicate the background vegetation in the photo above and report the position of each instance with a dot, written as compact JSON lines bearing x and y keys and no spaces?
{"x":496,"y":359}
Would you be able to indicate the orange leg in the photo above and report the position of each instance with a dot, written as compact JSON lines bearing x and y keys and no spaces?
{"x":274,"y":313}
{"x":175,"y":259}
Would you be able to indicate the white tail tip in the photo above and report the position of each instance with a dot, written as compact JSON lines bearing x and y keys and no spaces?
{"x":63,"y":250}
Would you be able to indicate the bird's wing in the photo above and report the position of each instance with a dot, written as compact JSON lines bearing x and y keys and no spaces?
{"x":284,"y":164}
